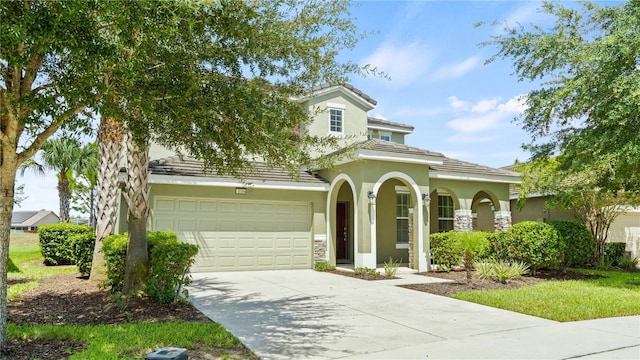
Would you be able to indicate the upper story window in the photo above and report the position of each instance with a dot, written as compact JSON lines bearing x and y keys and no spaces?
{"x":336,"y":120}
{"x":385,"y":136}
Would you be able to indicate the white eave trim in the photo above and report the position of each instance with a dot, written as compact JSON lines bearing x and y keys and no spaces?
{"x":357,"y":98}
{"x":391,"y":157}
{"x":473,"y":177}
{"x":265,"y":185}
{"x":391,"y":128}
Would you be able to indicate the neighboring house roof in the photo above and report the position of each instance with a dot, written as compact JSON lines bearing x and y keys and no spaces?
{"x":381,"y":124}
{"x":29,"y":218}
{"x":461,"y":170}
{"x":173,"y":170}
{"x":327,"y":87}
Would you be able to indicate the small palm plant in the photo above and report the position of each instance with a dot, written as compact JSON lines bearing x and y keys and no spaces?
{"x":473,"y":244}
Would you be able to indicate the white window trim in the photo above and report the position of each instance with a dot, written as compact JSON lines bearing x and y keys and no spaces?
{"x":403,"y":190}
{"x":445,"y":218}
{"x":381,"y":134}
{"x":342,"y":111}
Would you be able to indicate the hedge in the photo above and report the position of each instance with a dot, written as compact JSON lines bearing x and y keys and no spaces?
{"x":576,"y":242}
{"x":54,"y":242}
{"x":534,"y":243}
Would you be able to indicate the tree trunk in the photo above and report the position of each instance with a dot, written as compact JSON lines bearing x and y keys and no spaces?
{"x":110,"y":135}
{"x":137,"y":196}
{"x":7,"y":184}
{"x":65,"y":197}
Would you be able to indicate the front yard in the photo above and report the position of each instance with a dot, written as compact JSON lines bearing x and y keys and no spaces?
{"x":54,"y":314}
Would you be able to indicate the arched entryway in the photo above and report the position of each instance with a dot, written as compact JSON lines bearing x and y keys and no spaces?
{"x":398,"y":230}
{"x":342,"y":212}
{"x":483,"y":207}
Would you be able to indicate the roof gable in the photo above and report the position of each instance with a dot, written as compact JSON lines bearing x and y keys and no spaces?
{"x":351,"y":92}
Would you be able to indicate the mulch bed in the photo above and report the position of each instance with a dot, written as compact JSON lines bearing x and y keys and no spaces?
{"x":368,"y":277}
{"x":71,"y":300}
{"x":459,"y":281}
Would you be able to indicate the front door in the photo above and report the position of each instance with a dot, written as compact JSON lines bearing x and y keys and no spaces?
{"x":342,"y":232}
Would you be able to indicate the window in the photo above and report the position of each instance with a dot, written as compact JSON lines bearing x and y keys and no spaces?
{"x":402,"y":217}
{"x":445,"y":213}
{"x":335,"y":120}
{"x":385,"y":136}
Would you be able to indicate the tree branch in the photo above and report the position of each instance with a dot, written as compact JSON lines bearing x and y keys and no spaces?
{"x":46,"y":134}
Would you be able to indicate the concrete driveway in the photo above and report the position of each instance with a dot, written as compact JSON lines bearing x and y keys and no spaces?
{"x":303,"y":314}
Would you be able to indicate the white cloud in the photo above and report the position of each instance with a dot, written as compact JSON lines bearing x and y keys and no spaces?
{"x":475,"y":123}
{"x":403,"y":63}
{"x":457,"y":70}
{"x":487,"y":115}
{"x":457,"y":103}
{"x":418,"y":112}
{"x":516,"y":104}
{"x":483,"y":106}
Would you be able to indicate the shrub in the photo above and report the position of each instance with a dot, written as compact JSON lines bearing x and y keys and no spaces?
{"x":82,"y":248}
{"x":614,"y":251}
{"x":575,"y":243}
{"x":501,"y":270}
{"x":366,"y":271}
{"x":391,"y":267}
{"x":445,"y":250}
{"x":497,"y":248}
{"x":628,"y":262}
{"x":54,"y":242}
{"x":169,"y":270}
{"x":324,"y":266}
{"x":533,"y":243}
{"x":115,"y":254}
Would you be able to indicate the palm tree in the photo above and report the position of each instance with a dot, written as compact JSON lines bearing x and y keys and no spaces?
{"x":64,"y":156}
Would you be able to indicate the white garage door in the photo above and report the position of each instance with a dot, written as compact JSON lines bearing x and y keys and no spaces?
{"x":239,"y":235}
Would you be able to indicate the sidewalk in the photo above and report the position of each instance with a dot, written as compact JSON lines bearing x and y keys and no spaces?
{"x":303,"y":314}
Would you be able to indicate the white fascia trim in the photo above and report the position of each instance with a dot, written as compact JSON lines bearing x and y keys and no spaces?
{"x":201,"y":181}
{"x":357,"y":98}
{"x":532,"y":195}
{"x":473,"y":177}
{"x":409,"y":159}
{"x":391,"y":128}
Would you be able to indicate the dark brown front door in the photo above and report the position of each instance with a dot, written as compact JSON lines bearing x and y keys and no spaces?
{"x":342,"y":231}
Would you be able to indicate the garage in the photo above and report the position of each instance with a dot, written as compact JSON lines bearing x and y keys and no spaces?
{"x":235,"y":235}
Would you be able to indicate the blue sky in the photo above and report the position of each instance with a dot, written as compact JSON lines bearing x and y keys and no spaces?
{"x":439,"y":83}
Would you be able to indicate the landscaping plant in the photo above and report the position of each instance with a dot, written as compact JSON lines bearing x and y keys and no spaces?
{"x":575,"y":243}
{"x":472,"y":244}
{"x":391,"y":267}
{"x":533,"y":243}
{"x":324,"y":266}
{"x":500,"y":270}
{"x":445,"y":250}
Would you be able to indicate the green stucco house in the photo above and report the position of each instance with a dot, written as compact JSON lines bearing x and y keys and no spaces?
{"x":381,"y":201}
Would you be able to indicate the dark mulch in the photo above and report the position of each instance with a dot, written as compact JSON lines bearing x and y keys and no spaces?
{"x":459,"y":281}
{"x":70,"y":300}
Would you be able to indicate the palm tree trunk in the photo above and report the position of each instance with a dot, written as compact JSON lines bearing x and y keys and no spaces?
{"x":65,"y":197}
{"x":137,"y":195}
{"x":110,"y":135}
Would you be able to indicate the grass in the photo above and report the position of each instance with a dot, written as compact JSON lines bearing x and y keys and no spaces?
{"x":614,"y":294}
{"x":124,"y":341}
{"x":134,"y":340}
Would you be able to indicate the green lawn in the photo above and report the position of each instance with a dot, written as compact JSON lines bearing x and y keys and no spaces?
{"x":616,"y":294}
{"x":124,"y":341}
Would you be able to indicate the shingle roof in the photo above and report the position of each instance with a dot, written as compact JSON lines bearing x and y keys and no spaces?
{"x":387,"y":122}
{"x":19,"y":217}
{"x":348,"y":86}
{"x":191,"y":167}
{"x":387,"y":147}
{"x":459,"y":166}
